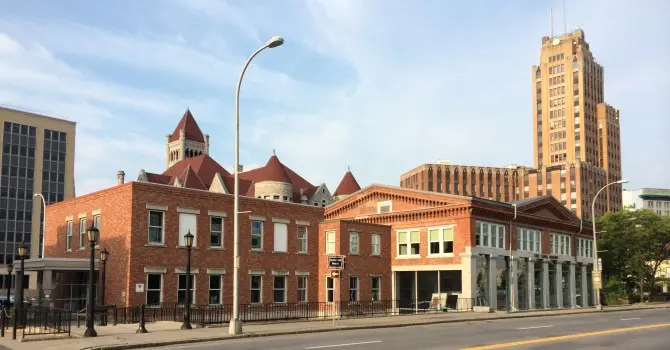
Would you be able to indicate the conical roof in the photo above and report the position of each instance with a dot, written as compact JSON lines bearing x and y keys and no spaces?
{"x":191,"y":128}
{"x":348,"y":185}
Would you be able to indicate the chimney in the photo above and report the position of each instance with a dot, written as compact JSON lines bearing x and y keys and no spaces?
{"x":240,"y":168}
{"x":120,"y":177}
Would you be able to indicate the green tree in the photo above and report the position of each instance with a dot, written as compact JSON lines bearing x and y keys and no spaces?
{"x":636,"y":243}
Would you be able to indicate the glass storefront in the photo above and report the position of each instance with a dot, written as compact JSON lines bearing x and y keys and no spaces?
{"x":565,"y":274}
{"x":578,"y":284}
{"x":553,"y":292}
{"x":539,"y":283}
{"x":482,"y":293}
{"x":522,"y":283}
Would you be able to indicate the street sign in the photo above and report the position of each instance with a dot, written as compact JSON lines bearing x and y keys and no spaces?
{"x":335,"y":262}
{"x":600,"y":264}
{"x":597,"y":280}
{"x":335,"y":274}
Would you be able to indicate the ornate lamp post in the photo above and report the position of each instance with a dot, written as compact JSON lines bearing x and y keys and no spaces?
{"x":104,"y":254}
{"x":10,"y":268}
{"x":93,"y":235}
{"x":18,"y":302}
{"x":188,"y":239}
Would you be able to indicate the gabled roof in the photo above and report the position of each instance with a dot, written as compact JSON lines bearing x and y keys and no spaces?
{"x":191,"y":128}
{"x":546,"y":206}
{"x":198,"y":173}
{"x":348,"y":185}
{"x":522,"y":202}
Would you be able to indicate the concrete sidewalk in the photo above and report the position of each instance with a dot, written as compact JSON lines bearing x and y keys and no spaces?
{"x":168,"y":333}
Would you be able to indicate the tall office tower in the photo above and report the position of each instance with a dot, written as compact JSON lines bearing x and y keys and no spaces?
{"x":572,"y":124}
{"x":37,"y":158}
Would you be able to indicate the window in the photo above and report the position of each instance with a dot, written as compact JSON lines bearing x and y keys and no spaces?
{"x":216,"y":231}
{"x":96,"y":221}
{"x":585,"y":247}
{"x":181,"y":289}
{"x":82,"y":233}
{"x":154,"y":289}
{"x":302,"y":239}
{"x":302,"y":289}
{"x":279,"y":292}
{"x":353,"y":242}
{"x":330,"y":290}
{"x":376,"y":244}
{"x":376,"y":288}
{"x":353,"y":288}
{"x":528,"y":240}
{"x":281,"y":237}
{"x":68,"y":235}
{"x":215,"y":287}
{"x":441,"y":240}
{"x":408,"y":243}
{"x":383,"y":207}
{"x":255,"y":289}
{"x":560,"y":244}
{"x":489,"y":235}
{"x":256,"y":234}
{"x":330,"y":242}
{"x":187,"y":223}
{"x":156,"y":223}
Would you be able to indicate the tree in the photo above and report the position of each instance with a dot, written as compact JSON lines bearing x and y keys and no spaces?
{"x":636,"y":243}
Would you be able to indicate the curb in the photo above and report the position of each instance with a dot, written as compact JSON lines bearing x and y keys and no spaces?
{"x":363,"y":327}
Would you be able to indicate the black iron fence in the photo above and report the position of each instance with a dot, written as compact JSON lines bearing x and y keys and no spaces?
{"x":35,"y":321}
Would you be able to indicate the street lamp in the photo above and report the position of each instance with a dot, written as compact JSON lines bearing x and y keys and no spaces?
{"x":188,"y":240}
{"x":104,"y":255}
{"x":10,"y":268}
{"x":93,"y":236}
{"x":18,"y":302}
{"x":596,"y":290}
{"x":44,"y":218}
{"x":235,"y":323}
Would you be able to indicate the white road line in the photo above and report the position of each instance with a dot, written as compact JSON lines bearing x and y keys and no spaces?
{"x":628,"y":319}
{"x":535,"y":327}
{"x":347,"y":344}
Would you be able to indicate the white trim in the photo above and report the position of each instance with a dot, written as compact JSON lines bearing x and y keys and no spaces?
{"x":146,"y":286}
{"x":328,"y":252}
{"x":281,"y":221}
{"x":302,"y":222}
{"x":441,"y":240}
{"x":281,"y":273}
{"x":222,"y":214}
{"x":69,"y":218}
{"x":256,"y":218}
{"x":379,"y":244}
{"x":297,"y":236}
{"x":188,"y":211}
{"x":183,"y":271}
{"x":409,"y":255}
{"x":81,"y":215}
{"x":215,"y":271}
{"x":96,"y":212}
{"x":162,"y":242}
{"x":155,"y":270}
{"x":301,"y":273}
{"x":256,"y":272}
{"x":358,"y":242}
{"x":156,"y":207}
{"x":450,"y":267}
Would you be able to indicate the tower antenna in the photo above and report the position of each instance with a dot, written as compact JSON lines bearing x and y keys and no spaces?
{"x":565,"y":23}
{"x":551,"y":22}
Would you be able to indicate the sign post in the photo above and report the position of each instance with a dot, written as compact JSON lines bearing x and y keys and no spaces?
{"x":336,"y":265}
{"x":596,"y":279}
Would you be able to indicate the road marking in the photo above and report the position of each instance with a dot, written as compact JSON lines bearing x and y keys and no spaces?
{"x":628,"y":319}
{"x":347,"y":344}
{"x":565,"y":337}
{"x":536,"y":327}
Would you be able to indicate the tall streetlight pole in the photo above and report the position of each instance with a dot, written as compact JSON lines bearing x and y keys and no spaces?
{"x":596,"y":290}
{"x":188,"y":240}
{"x":44,"y":218}
{"x":235,"y":323}
{"x":104,"y":255}
{"x":93,"y":236}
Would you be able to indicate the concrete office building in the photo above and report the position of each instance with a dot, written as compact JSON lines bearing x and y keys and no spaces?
{"x":576,"y":140}
{"x":655,"y":199}
{"x":37,"y":158}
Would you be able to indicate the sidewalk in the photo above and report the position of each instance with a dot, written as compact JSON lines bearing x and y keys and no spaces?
{"x":168,"y":333}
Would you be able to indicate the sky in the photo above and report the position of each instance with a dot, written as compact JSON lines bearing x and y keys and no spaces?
{"x":379,"y":86}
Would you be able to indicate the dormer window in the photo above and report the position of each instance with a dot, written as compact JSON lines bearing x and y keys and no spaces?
{"x":383,"y":207}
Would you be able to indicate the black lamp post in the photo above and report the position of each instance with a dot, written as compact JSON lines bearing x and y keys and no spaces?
{"x":10,"y":268}
{"x":93,"y":235}
{"x":18,"y":302}
{"x":188,"y":239}
{"x":104,"y":254}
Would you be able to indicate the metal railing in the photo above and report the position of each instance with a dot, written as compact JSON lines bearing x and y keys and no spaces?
{"x":36,"y":321}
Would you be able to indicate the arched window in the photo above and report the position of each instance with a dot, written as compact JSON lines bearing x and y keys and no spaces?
{"x":439,"y":179}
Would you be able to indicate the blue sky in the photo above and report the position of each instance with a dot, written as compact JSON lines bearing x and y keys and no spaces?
{"x":380,"y":86}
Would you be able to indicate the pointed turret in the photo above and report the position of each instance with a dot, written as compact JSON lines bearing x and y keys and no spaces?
{"x":186,"y":141}
{"x":347,"y":187}
{"x":189,"y":128}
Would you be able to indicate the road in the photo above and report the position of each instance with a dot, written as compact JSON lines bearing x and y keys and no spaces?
{"x":639,"y":330}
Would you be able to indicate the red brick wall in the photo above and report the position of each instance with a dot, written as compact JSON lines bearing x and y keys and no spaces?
{"x":463,"y":236}
{"x":115,"y":216}
{"x":364,"y":264}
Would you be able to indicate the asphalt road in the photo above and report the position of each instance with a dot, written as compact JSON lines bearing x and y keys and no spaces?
{"x":639,"y":330}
